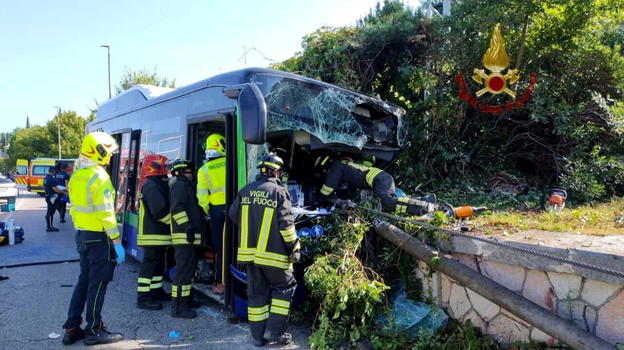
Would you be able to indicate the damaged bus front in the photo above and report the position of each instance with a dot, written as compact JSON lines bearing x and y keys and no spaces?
{"x":307,"y":119}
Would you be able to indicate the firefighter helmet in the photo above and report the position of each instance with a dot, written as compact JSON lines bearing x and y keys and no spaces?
{"x":98,"y":147}
{"x":154,"y":165}
{"x":215,"y":146}
{"x":180,"y":166}
{"x":271,"y":162}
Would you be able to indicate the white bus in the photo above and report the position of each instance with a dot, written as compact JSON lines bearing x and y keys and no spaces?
{"x":256,"y":110}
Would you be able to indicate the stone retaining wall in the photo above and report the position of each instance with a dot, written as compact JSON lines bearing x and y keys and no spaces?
{"x":594,"y":304}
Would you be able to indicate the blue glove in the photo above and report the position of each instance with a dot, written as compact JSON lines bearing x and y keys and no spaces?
{"x":121,"y":253}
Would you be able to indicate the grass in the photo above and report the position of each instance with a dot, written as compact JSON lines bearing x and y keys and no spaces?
{"x":600,"y":219}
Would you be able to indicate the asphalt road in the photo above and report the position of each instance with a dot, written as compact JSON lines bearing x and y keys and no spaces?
{"x":34,"y":300}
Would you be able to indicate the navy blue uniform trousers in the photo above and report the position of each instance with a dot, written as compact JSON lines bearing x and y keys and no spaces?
{"x":97,"y":265}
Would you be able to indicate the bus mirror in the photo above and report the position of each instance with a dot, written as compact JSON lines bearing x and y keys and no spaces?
{"x":253,"y":111}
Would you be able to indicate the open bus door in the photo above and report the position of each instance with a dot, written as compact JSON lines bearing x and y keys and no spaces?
{"x":124,"y":171}
{"x":21,"y":174}
{"x":246,"y":125}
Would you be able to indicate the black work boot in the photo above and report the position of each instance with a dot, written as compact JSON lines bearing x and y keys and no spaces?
{"x":160,"y":295}
{"x":102,"y":336}
{"x":259,"y":342}
{"x":147,"y":303}
{"x":180,"y":309}
{"x":73,"y":335}
{"x":284,"y":339}
{"x":193,"y":304}
{"x":49,"y":227}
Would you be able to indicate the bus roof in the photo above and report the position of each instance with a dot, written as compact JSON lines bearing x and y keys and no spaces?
{"x":140,"y":96}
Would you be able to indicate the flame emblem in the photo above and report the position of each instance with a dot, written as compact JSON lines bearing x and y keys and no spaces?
{"x":496,"y":61}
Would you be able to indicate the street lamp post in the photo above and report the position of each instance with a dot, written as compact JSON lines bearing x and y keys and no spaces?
{"x":109,"y":84}
{"x":58,"y":129}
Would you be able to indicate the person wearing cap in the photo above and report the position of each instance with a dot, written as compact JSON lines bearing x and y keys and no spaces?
{"x":187,"y":222}
{"x":268,"y":246}
{"x":52,"y":193}
{"x":98,"y":240}
{"x":211,"y":196}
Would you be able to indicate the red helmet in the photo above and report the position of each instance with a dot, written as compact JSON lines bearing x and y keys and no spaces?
{"x":154,"y":165}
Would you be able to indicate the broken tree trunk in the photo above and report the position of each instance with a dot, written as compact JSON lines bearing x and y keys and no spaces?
{"x":525,"y":309}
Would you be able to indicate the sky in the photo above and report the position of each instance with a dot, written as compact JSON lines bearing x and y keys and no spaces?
{"x":50,"y":52}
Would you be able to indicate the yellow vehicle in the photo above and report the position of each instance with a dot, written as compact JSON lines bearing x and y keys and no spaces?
{"x":21,"y":174}
{"x":38,"y":170}
{"x":30,"y":174}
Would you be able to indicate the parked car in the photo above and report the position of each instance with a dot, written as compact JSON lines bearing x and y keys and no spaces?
{"x":8,"y":194}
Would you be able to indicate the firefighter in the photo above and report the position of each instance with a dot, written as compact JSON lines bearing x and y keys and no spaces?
{"x":358,"y":176}
{"x":154,"y":233}
{"x":97,"y":238}
{"x":62,"y":178}
{"x":51,"y":192}
{"x":268,"y":247}
{"x":211,"y":196}
{"x":187,"y":220}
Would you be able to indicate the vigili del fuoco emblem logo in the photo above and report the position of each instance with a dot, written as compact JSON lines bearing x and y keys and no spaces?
{"x":496,"y":80}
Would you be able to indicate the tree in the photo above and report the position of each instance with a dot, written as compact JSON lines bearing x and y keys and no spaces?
{"x":571,"y":133}
{"x":30,"y":143}
{"x":72,"y":132}
{"x":42,"y":141}
{"x":142,"y":76}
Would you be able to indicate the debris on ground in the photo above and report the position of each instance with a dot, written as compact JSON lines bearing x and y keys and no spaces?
{"x":174,"y":334}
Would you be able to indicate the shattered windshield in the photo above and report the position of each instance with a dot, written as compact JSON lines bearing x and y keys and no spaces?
{"x":324,"y":112}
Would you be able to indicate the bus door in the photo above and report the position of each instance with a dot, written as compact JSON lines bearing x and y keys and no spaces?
{"x":195,"y":152}
{"x":124,"y":172}
{"x":21,"y":174}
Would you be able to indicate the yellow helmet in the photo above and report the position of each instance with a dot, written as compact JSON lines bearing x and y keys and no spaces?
{"x":215,"y":142}
{"x":98,"y":147}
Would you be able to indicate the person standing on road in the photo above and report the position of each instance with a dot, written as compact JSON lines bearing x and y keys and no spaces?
{"x":268,"y":245}
{"x":98,"y":240}
{"x":154,"y":233}
{"x":187,"y":221}
{"x":62,"y":178}
{"x":211,"y":196}
{"x":51,"y":192}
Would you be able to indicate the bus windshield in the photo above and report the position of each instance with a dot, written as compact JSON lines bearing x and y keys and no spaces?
{"x":332,"y":115}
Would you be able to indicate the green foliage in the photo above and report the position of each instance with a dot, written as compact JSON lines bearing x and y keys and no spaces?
{"x":142,"y":76}
{"x":574,"y":46}
{"x":72,"y":128}
{"x":30,"y":143}
{"x":348,"y":293}
{"x":42,"y":141}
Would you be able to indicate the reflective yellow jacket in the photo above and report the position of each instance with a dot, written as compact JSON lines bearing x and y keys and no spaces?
{"x":211,"y":183}
{"x":92,"y":199}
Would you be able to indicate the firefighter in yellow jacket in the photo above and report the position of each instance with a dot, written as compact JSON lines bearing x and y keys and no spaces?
{"x":211,"y":196}
{"x":99,"y":244}
{"x":154,"y":233}
{"x":268,"y":245}
{"x":187,"y":221}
